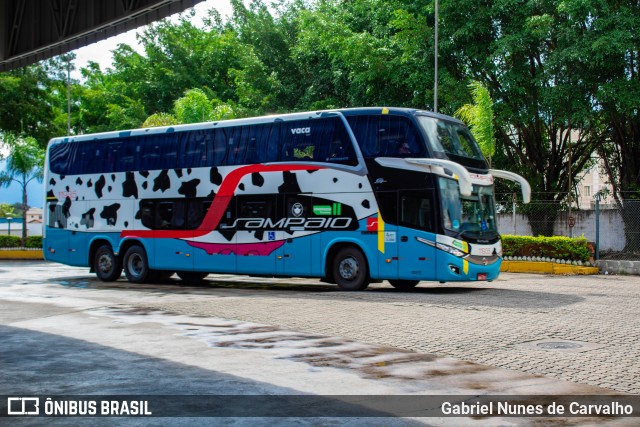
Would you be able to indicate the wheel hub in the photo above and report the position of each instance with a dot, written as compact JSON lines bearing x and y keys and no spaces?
{"x":135,"y":265}
{"x":105,"y":264}
{"x":348,"y":268}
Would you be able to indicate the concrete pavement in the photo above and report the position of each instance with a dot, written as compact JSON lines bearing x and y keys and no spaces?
{"x":65,"y":333}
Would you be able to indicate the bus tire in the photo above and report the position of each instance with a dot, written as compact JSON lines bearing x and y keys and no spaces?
{"x":136,"y":267}
{"x":404,"y":285}
{"x":192,"y":276}
{"x":106,"y":265}
{"x":350,"y":269}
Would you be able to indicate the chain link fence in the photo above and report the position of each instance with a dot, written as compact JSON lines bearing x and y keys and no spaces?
{"x":613,"y":229}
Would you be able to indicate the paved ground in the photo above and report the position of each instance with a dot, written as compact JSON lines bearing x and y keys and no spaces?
{"x":440,"y":339}
{"x":496,"y":324}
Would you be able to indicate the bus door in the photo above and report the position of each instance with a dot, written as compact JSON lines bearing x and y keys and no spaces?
{"x":416,"y":238}
{"x":294,"y":256}
{"x":387,"y":243}
{"x":57,"y":236}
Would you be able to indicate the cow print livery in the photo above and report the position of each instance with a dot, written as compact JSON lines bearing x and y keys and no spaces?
{"x":118,"y":207}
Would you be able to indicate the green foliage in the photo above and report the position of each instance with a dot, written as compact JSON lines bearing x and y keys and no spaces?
{"x":29,"y":104}
{"x":24,"y":164}
{"x":558,"y":247}
{"x":560,"y":72}
{"x":160,"y":119}
{"x":6,"y":210}
{"x":16,"y":242}
{"x":34,"y":242}
{"x":479,"y":117}
{"x":10,"y":241}
{"x":193,"y":107}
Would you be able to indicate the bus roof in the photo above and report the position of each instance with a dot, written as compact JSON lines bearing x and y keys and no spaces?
{"x":251,"y":121}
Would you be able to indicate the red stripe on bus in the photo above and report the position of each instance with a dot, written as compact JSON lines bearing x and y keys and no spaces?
{"x":219,"y":205}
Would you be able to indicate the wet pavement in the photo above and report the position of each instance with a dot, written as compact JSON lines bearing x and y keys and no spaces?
{"x":63,"y":332}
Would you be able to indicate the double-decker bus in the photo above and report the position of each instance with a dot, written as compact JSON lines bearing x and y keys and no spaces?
{"x":350,"y":196}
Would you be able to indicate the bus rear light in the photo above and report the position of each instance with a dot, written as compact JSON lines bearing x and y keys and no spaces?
{"x":482,"y":276}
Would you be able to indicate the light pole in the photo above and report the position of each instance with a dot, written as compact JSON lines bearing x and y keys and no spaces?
{"x":9,"y":218}
{"x":435,"y":80}
{"x":68,"y":95}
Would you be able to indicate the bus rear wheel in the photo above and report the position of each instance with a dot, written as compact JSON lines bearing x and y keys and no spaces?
{"x":350,"y":269}
{"x":106,"y":265}
{"x":192,"y":276}
{"x":404,"y":285}
{"x":136,"y":266}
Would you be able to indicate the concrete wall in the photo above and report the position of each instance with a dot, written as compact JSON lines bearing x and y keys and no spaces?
{"x":33,"y":229}
{"x":611,"y":227}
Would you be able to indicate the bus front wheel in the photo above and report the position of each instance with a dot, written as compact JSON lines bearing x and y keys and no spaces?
{"x":404,"y":285}
{"x":136,"y":267}
{"x":106,"y":265}
{"x":350,"y":269}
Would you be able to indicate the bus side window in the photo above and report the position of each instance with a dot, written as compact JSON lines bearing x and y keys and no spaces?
{"x":129,"y":154}
{"x":237,"y":145}
{"x":158,"y":152}
{"x":113,"y":157}
{"x":386,"y":135}
{"x":220,"y":146}
{"x":164,"y":213}
{"x":340,"y":149}
{"x":416,"y":211}
{"x":193,"y":153}
{"x":178,"y":219}
{"x":274,"y":141}
{"x":365,"y":130}
{"x":196,"y":211}
{"x":147,"y":213}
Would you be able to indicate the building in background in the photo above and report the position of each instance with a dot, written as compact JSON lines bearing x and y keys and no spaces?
{"x":34,"y":215}
{"x":594,"y":181}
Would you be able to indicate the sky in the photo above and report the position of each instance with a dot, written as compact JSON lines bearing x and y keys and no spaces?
{"x":100,"y":52}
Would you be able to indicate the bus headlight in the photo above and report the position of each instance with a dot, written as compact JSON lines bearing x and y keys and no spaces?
{"x":451,"y":250}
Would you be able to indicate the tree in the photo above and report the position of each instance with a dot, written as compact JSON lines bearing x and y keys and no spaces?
{"x":193,"y":107}
{"x":107,"y":102}
{"x":25,"y":163}
{"x":514,"y":49}
{"x":479,"y":116}
{"x":7,"y":210}
{"x":28,"y":105}
{"x":160,"y":119}
{"x":605,"y":56}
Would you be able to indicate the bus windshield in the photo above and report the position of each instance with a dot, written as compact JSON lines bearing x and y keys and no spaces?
{"x":450,"y":139}
{"x":474,"y":215}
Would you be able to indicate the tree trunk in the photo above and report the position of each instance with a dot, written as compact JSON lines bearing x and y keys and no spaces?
{"x":24,"y":215}
{"x":542,"y":217}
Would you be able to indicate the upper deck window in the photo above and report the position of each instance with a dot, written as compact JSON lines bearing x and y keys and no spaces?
{"x":324,"y":140}
{"x":387,"y":136}
{"x":452,"y":140}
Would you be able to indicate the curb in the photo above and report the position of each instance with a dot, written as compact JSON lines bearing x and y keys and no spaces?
{"x":612,"y":266}
{"x":546,"y":268}
{"x":21,"y":254}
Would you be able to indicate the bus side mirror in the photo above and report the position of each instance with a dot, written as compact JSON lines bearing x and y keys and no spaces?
{"x":526,"y":188}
